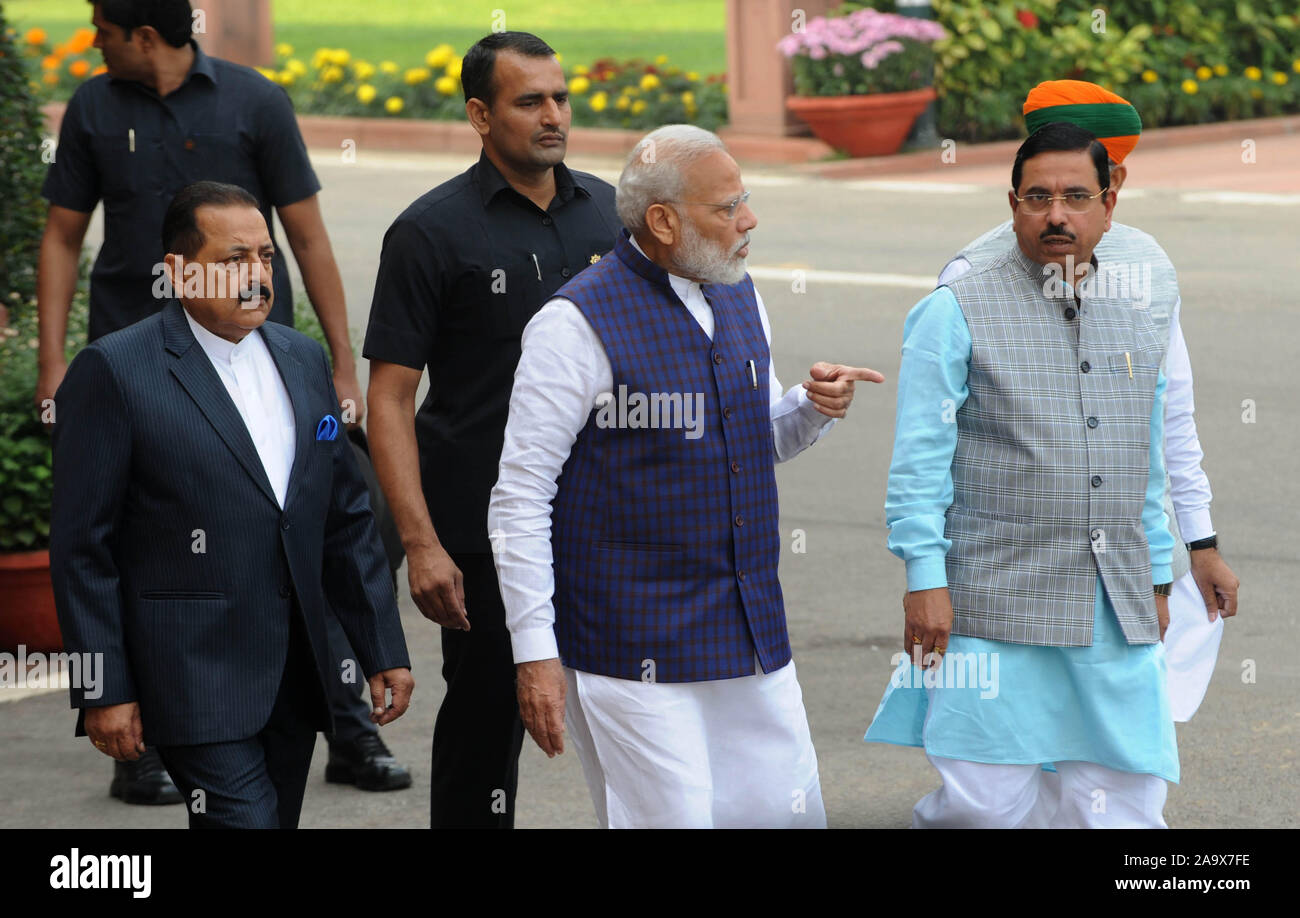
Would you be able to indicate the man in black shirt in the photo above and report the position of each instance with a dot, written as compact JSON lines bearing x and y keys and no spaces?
{"x":164,"y":116}
{"x":463,"y":269}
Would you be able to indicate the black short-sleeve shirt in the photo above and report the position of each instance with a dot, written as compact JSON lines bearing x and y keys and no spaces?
{"x":120,"y":142}
{"x":462,"y":271}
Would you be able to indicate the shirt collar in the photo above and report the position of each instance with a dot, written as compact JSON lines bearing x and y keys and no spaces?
{"x":202,"y":64}
{"x":491,"y":181}
{"x":682,"y":286}
{"x":218,"y":348}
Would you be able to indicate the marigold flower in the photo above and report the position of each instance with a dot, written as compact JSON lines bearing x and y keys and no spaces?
{"x":79,"y":69}
{"x":394,"y":105}
{"x":440,"y":56}
{"x":35,"y":36}
{"x":598,"y":102}
{"x":1149,"y":76}
{"x":1190,"y":87}
{"x":1203,"y":73}
{"x":578,"y":85}
{"x":366,"y":93}
{"x":649,"y":82}
{"x":1254,"y":73}
{"x":446,"y":85}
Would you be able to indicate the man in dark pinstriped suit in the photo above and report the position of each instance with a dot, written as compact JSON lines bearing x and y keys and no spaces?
{"x":204,"y":507}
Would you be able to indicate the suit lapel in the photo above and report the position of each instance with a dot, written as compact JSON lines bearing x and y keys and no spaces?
{"x":295,"y":381}
{"x":195,"y":373}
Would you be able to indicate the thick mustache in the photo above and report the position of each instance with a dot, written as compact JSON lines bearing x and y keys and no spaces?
{"x":1056,"y":231}
{"x":247,"y":296}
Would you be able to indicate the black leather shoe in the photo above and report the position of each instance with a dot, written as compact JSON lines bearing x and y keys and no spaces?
{"x":367,"y":763}
{"x":144,"y":781}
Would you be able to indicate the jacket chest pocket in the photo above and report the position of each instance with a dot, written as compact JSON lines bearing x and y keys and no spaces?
{"x":1139,"y":364}
{"x":500,"y":299}
{"x":217,"y":157}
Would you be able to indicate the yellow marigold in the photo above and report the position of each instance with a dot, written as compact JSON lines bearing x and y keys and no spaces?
{"x":638,"y":106}
{"x":388,"y":67}
{"x":339,"y":57}
{"x":578,"y":85}
{"x":1149,"y":76}
{"x":363,"y":69}
{"x":320,"y":58}
{"x":79,"y":69}
{"x":693,"y":76}
{"x":1203,"y":73}
{"x":688,"y":98}
{"x":51,"y":78}
{"x":1295,"y":65}
{"x":1278,"y":77}
{"x":446,"y":85}
{"x":583,"y":69}
{"x":332,"y":74}
{"x":1254,"y":73}
{"x":416,"y":75}
{"x":267,"y":72}
{"x":440,"y":56}
{"x":623,"y":103}
{"x":649,"y":82}
{"x":661,"y":59}
{"x":283,"y":49}
{"x":1220,"y":69}
{"x":454,"y":67}
{"x":1190,"y":87}
{"x":365,"y":93}
{"x":393,"y":105}
{"x":295,"y":66}
{"x":286,"y":77}
{"x":50,"y":62}
{"x":35,"y":36}
{"x":598,"y":102}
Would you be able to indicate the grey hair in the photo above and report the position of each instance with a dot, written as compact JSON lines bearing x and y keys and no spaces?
{"x":653,"y":173}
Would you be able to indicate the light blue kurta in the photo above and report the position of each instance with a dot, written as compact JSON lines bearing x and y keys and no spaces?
{"x":999,"y":702}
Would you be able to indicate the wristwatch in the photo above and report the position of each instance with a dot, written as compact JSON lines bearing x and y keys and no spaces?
{"x":1163,"y":589}
{"x":1211,"y":542}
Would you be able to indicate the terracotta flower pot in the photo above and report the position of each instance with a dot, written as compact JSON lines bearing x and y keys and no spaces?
{"x":27,"y":603}
{"x":870,"y":125}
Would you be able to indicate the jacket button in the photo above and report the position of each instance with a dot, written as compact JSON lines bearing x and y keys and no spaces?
{"x":284,"y":592}
{"x":735,"y":467}
{"x":1092,"y":422}
{"x":726,"y":413}
{"x":284,"y":522}
{"x":547,"y":221}
{"x":717,"y":358}
{"x":1070,"y":313}
{"x":740,"y":520}
{"x":1096,"y":481}
{"x":740,"y":575}
{"x":1085,"y":366}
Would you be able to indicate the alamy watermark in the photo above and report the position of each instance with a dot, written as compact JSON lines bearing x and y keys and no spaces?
{"x":83,"y":671}
{"x":656,"y":411}
{"x":956,"y":670}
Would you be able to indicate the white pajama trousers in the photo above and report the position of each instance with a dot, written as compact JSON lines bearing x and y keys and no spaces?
{"x":728,"y":753}
{"x":1081,"y":795}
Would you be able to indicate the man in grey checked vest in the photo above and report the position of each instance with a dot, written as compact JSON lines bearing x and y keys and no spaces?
{"x":1205,"y":588}
{"x":1025,"y":498}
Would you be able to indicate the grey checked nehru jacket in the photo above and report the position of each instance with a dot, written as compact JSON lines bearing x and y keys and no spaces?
{"x":1129,"y":255}
{"x":1043,"y":499}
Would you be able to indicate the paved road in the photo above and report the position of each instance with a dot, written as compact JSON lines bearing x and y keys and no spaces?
{"x":1236,"y":253}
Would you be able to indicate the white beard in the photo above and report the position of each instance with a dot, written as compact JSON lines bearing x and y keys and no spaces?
{"x":707,"y":260}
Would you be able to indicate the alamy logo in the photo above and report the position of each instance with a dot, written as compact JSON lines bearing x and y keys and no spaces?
{"x":656,"y":411}
{"x":103,"y":871}
{"x":53,"y":670}
{"x":1115,"y":280}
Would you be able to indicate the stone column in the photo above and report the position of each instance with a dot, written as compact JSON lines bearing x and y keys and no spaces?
{"x":758,"y":77}
{"x":236,"y":30}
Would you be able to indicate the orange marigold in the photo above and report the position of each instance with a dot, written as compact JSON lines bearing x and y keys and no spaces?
{"x":79,"y":69}
{"x":50,"y":63}
{"x":35,"y":36}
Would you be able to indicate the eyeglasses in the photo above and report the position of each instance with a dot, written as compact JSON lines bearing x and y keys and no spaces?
{"x":1074,"y":202}
{"x":732,"y":206}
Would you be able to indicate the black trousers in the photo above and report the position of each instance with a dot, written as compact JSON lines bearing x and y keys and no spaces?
{"x":258,"y":782}
{"x":478,"y":735}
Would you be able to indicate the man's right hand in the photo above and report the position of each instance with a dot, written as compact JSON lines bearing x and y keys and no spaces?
{"x":541,"y":688}
{"x":116,"y":730}
{"x":928,"y":622}
{"x":48,"y":380}
{"x":437,"y":587}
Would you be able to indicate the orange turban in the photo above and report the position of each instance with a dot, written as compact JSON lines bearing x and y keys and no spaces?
{"x":1111,"y":118}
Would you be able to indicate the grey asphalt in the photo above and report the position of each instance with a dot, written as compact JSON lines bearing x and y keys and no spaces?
{"x":1236,"y":264}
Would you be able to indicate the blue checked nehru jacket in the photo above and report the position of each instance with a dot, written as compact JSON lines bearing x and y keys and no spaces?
{"x":666,"y":548}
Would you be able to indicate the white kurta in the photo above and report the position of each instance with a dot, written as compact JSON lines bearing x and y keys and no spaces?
{"x":253,"y":382}
{"x":714,"y":753}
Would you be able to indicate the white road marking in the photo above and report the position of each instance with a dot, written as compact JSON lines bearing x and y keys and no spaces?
{"x":915,"y":187}
{"x":1237,"y":197}
{"x":852,"y":278}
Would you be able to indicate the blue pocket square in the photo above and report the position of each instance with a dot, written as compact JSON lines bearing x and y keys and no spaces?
{"x":328,"y":428}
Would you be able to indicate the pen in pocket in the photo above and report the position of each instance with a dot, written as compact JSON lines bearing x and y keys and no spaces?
{"x":538,"y":265}
{"x":1129,"y":360}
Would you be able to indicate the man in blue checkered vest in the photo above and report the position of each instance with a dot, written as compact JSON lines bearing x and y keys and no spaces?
{"x":635,"y":517}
